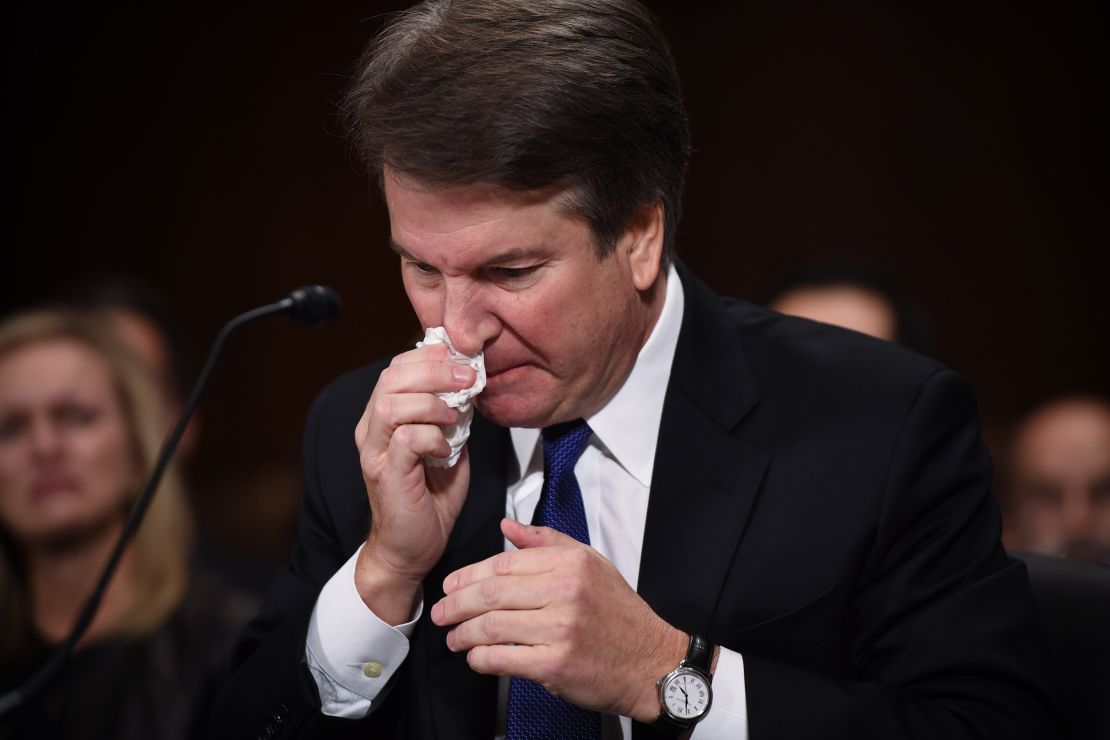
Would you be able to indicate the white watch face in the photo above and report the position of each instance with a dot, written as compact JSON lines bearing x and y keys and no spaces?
{"x":686,"y":695}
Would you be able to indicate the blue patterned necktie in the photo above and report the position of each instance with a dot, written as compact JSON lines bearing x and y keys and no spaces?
{"x":535,"y":714}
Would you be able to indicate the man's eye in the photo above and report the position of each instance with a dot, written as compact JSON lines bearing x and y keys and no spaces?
{"x":423,"y":268}
{"x":514,"y":273}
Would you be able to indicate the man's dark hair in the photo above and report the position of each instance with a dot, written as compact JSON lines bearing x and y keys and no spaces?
{"x":526,"y":95}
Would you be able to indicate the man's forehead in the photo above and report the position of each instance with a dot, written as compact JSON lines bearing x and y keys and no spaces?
{"x":511,"y":254}
{"x":473,"y":197}
{"x":464,"y":226}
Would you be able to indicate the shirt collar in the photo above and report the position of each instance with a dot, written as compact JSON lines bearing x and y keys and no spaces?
{"x":628,"y":425}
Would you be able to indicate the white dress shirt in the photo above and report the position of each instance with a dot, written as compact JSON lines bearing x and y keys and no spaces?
{"x":351,"y":653}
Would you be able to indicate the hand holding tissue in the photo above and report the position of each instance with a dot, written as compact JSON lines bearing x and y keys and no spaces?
{"x":457,"y":433}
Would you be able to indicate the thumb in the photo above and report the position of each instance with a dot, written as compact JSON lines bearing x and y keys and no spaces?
{"x":524,"y":535}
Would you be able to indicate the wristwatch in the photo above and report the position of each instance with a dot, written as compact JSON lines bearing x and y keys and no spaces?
{"x":685,"y":694}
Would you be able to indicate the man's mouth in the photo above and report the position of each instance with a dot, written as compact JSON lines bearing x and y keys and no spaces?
{"x":503,"y":371}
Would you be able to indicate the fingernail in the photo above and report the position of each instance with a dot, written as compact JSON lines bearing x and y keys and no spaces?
{"x":463,"y":374}
{"x":437,"y":612}
{"x":450,"y":582}
{"x":451,"y":640}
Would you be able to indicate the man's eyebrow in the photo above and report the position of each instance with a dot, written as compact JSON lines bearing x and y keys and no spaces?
{"x":401,"y":251}
{"x":515,"y":254}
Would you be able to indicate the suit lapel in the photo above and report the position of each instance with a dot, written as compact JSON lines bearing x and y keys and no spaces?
{"x":463,"y":703}
{"x":705,"y":479}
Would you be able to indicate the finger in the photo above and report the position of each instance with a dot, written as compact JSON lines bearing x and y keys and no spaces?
{"x":500,"y":628}
{"x":508,"y":563}
{"x":422,"y":354}
{"x":502,"y":592}
{"x":425,"y":376}
{"x":410,"y":443}
{"x":391,"y":412}
{"x":525,"y":661}
{"x":422,"y":370}
{"x":525,"y":536}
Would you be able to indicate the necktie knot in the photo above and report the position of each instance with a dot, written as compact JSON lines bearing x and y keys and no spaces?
{"x":563,"y":444}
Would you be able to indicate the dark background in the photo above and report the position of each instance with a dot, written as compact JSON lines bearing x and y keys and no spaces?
{"x":959,"y":147}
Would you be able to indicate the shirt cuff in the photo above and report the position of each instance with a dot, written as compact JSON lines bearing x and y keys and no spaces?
{"x":728,"y":717}
{"x":349,"y":651}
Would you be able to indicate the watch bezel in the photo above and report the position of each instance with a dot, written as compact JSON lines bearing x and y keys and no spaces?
{"x":684,"y":669}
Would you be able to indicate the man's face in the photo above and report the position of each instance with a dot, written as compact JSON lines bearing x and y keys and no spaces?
{"x":842,"y":305}
{"x":512,"y":274}
{"x":1061,"y":486}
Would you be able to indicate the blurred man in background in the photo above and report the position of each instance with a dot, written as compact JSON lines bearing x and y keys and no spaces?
{"x":852,"y":298}
{"x":1058,"y":482}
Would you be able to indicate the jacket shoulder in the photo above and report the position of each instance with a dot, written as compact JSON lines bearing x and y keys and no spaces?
{"x":348,"y":393}
{"x":330,"y":456}
{"x":787,"y":352}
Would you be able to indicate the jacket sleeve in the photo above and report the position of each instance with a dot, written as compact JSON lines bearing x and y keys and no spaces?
{"x":946,"y":642}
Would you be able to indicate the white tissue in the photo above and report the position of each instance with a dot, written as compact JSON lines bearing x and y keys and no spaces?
{"x":459,"y":432}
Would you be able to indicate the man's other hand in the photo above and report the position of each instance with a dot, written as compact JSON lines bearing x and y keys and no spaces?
{"x":556,"y":612}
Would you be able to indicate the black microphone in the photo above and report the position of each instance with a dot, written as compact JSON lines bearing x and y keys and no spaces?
{"x":312,"y":304}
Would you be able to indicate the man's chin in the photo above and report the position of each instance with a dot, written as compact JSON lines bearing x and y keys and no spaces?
{"x":514,"y":410}
{"x":505,"y":411}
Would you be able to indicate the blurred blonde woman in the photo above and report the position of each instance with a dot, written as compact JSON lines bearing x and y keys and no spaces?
{"x":81,"y":422}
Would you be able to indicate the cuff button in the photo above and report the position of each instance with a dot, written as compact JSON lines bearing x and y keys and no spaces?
{"x":372,"y":669}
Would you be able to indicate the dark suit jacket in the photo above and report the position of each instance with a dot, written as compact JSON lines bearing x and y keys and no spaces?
{"x":820,"y":504}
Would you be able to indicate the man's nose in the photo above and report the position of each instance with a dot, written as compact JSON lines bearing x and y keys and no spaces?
{"x":468,"y":317}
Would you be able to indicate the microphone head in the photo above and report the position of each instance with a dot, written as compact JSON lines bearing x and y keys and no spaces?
{"x":312,"y":304}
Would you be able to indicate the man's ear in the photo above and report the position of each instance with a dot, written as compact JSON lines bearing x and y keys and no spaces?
{"x":644,"y":244}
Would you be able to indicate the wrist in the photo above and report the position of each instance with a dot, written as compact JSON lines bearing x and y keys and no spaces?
{"x":686,"y":693}
{"x":389,"y":594}
{"x":671,"y":650}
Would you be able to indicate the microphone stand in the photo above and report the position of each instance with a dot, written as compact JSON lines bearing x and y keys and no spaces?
{"x":295,"y":306}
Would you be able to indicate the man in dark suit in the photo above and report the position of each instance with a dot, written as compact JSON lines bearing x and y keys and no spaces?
{"x":791,"y":528}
